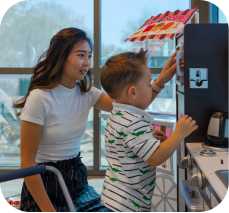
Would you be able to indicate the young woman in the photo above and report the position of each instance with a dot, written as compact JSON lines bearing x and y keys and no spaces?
{"x":53,"y":119}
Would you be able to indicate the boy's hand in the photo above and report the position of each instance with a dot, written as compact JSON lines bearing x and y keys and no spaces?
{"x":159,"y":135}
{"x":170,"y":61}
{"x":185,"y":126}
{"x":167,"y":71}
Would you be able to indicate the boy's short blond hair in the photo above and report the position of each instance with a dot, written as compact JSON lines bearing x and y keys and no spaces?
{"x":121,"y":70}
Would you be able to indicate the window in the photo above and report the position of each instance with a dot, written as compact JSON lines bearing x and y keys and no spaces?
{"x":122,"y":18}
{"x":26,"y":28}
{"x":11,"y":88}
{"x":22,"y":44}
{"x":221,"y":17}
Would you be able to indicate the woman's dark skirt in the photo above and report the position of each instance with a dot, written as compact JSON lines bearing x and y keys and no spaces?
{"x":74,"y":172}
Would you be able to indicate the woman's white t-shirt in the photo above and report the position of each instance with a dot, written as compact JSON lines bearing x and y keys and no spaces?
{"x":63,"y":113}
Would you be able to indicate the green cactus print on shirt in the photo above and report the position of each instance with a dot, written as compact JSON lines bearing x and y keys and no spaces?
{"x":144,"y":171}
{"x":115,"y":170}
{"x":122,"y":134}
{"x":111,"y":141}
{"x":137,"y":134}
{"x":152,"y":183}
{"x":113,"y":179}
{"x":119,"y":113}
{"x":132,"y":156}
{"x":136,"y":205}
{"x":147,"y":199}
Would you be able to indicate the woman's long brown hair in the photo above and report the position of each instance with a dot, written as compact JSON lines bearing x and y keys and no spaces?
{"x":49,"y":70}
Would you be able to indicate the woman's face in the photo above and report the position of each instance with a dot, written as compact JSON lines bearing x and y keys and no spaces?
{"x":78,"y":63}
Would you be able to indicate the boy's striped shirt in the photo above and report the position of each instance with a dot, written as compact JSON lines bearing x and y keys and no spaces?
{"x":129,"y":180}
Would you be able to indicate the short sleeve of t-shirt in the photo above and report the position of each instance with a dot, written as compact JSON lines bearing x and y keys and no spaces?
{"x":34,"y":108}
{"x":94,"y":95}
{"x":139,"y":139}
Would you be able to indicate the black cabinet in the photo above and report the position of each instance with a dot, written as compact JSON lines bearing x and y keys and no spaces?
{"x":205,"y":86}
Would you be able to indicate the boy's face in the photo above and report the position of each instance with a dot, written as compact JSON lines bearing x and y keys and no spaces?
{"x":143,"y":96}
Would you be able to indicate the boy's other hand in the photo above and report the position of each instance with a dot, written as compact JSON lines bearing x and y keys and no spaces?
{"x":185,"y":126}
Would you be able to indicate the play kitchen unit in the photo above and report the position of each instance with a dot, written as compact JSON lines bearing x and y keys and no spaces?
{"x":202,"y":93}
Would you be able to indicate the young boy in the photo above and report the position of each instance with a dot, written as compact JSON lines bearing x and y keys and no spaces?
{"x":131,"y":149}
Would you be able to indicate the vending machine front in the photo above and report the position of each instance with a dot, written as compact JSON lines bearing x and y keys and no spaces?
{"x":202,"y":87}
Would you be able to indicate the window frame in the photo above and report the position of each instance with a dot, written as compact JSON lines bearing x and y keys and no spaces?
{"x":96,"y":170}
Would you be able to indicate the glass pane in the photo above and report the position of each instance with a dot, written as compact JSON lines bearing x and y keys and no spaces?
{"x":222,"y":18}
{"x":86,"y":147}
{"x":11,"y":88}
{"x":128,"y":18}
{"x":27,"y":26}
{"x":114,"y":32}
{"x":165,"y":103}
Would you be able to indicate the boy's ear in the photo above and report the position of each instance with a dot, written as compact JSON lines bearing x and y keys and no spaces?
{"x":131,"y":91}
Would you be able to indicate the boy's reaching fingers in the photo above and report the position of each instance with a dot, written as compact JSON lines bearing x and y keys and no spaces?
{"x":195,"y":127}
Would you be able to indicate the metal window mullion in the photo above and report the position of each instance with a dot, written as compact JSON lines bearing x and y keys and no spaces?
{"x":16,"y":70}
{"x":204,"y":10}
{"x":214,"y":14}
{"x":97,"y":53}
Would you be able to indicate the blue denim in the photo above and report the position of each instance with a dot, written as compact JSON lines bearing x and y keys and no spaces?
{"x":89,"y":201}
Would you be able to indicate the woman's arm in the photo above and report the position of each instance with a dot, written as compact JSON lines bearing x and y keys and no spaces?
{"x":30,"y":139}
{"x":104,"y":103}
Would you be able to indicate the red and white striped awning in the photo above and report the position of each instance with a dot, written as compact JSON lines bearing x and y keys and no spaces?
{"x":163,"y":26}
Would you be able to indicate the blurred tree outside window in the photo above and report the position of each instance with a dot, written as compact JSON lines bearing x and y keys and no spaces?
{"x":26,"y":27}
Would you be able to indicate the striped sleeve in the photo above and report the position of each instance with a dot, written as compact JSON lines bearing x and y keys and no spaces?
{"x":139,"y":139}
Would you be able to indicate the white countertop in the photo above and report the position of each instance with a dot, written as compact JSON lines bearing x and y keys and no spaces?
{"x":208,"y":165}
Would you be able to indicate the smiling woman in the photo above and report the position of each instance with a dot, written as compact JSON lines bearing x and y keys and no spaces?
{"x":21,"y":46}
{"x":54,"y":114}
